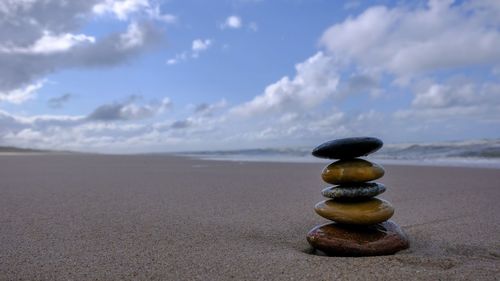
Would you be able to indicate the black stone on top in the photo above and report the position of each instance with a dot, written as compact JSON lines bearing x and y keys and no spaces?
{"x":347,"y":148}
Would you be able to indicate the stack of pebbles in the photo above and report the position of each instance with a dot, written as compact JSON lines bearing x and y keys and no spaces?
{"x":360,"y":221}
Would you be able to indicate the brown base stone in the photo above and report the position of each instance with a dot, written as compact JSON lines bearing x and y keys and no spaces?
{"x":336,"y":239}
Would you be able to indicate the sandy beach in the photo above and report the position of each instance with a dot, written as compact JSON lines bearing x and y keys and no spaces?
{"x":153,"y":217}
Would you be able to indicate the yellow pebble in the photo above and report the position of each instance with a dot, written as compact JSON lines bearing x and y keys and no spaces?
{"x":371,"y":211}
{"x":352,"y":171}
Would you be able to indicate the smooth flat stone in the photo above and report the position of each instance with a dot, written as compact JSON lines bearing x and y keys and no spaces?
{"x":352,"y":171}
{"x":370,"y":211}
{"x":355,"y":191}
{"x":336,"y":239}
{"x":347,"y":148}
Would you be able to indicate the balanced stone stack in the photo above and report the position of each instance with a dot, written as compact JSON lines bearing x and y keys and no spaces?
{"x":361,"y":225}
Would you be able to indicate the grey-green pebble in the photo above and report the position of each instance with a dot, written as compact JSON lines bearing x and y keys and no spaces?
{"x":354,"y":191}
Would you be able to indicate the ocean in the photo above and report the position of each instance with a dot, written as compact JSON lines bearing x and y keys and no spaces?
{"x":471,"y":153}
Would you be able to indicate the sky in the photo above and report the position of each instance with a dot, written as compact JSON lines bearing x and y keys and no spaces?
{"x":181,"y":75}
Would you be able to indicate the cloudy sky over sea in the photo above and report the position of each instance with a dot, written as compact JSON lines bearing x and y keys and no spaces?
{"x":173,"y":75}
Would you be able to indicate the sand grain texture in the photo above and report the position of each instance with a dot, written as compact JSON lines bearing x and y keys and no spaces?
{"x":97,"y":217}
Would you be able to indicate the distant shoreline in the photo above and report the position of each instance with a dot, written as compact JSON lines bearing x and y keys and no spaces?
{"x":471,"y":153}
{"x":12,"y":153}
{"x":7,"y":149}
{"x":12,"y":150}
{"x":467,"y":163}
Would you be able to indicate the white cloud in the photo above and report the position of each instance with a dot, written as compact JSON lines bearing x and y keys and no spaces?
{"x":316,"y":80}
{"x":197,"y":46}
{"x":207,"y":109}
{"x":133,"y":37}
{"x":14,"y":123}
{"x":172,"y":61}
{"x":129,"y":110}
{"x":232,"y":22}
{"x":200,"y":45}
{"x":435,"y":96}
{"x":455,"y":103}
{"x":98,"y":130}
{"x":20,"y":95}
{"x":457,"y":96}
{"x":178,"y":58}
{"x":49,"y":43}
{"x":424,"y":51}
{"x":41,"y":37}
{"x":408,"y":42}
{"x":121,"y":9}
{"x":236,"y":22}
{"x":155,"y":13}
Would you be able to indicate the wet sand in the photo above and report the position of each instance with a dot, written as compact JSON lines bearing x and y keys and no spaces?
{"x":98,"y":217}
